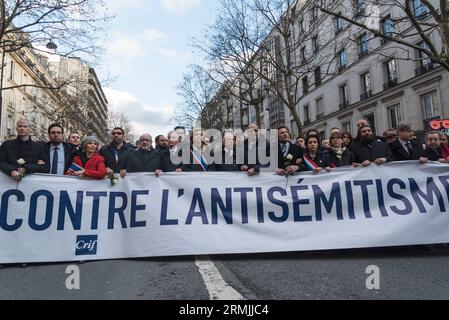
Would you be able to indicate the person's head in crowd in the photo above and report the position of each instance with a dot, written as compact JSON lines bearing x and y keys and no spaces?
{"x":325,"y":144}
{"x":283,"y":134}
{"x":172,"y":139}
{"x":366,"y":134}
{"x":390,"y":135}
{"x":300,"y":142}
{"x":161,"y":142}
{"x":433,"y":140}
{"x":55,"y":134}
{"x":181,"y":131}
{"x":138,"y":143}
{"x":228,"y":140}
{"x":10,"y":137}
{"x":253,"y":132}
{"x":444,"y":139}
{"x":362,"y":122}
{"x":336,"y":140}
{"x":335,"y":130}
{"x":90,"y":145}
{"x":405,"y":131}
{"x":24,"y":128}
{"x":74,"y":139}
{"x":118,"y":136}
{"x":312,"y":144}
{"x":146,"y":141}
{"x":196,"y":138}
{"x":312,"y":132}
{"x":206,"y":140}
{"x":347,"y":139}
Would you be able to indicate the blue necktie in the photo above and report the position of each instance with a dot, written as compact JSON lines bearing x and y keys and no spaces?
{"x":54,"y":164}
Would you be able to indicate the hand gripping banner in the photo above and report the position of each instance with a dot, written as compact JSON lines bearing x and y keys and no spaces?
{"x":48,"y":218}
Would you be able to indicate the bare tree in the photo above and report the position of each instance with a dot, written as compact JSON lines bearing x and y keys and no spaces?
{"x":230,"y":44}
{"x":421,"y":25}
{"x":259,"y":48}
{"x":198,"y":90}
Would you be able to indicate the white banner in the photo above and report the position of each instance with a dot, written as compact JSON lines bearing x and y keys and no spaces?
{"x":46,"y":218}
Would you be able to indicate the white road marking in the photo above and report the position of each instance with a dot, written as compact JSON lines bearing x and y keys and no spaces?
{"x":215,"y":284}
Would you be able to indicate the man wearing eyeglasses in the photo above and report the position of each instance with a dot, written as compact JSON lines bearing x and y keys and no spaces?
{"x":59,"y":152}
{"x":116,"y":152}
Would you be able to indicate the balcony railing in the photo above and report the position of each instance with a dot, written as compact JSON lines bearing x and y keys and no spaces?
{"x":343,"y":105}
{"x":423,"y":68}
{"x":363,"y":54}
{"x":320,"y":116}
{"x":365,"y":95}
{"x":341,"y":68}
{"x":390,"y":84}
{"x":306,"y":122}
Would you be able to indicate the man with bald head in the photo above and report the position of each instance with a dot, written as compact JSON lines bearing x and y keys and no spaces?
{"x":33,"y":154}
{"x":145,"y":159}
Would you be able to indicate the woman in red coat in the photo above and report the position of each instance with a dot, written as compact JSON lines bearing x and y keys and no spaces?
{"x":89,"y":163}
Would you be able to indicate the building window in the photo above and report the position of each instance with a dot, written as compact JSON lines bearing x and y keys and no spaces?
{"x":303,"y":55}
{"x":359,"y":7}
{"x":346,"y":126}
{"x":428,"y":106}
{"x":301,"y":27}
{"x":294,"y":128}
{"x":315,"y":44}
{"x":363,"y":42}
{"x":317,"y":73}
{"x":342,"y":59}
{"x":319,"y":108}
{"x":391,"y":74}
{"x":371,"y":119}
{"x":420,"y":10}
{"x":365,"y":80}
{"x":344,"y":98}
{"x":305,"y":85}
{"x":313,"y":14}
{"x":306,"y":114}
{"x":11,"y":70}
{"x":394,"y":115}
{"x":424,"y":63}
{"x":338,"y":24}
{"x":387,"y":28}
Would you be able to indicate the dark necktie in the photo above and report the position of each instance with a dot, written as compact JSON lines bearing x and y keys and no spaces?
{"x":409,"y":148}
{"x":54,"y":164}
{"x":284,"y":149}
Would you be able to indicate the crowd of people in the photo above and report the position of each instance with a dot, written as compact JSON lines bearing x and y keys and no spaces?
{"x":20,"y":155}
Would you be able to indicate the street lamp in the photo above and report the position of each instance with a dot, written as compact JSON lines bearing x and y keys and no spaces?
{"x":51,"y":45}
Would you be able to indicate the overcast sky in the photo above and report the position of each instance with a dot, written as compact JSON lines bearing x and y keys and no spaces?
{"x":148,"y":49}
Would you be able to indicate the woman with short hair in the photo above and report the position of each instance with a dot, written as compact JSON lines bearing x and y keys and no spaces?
{"x":89,"y":163}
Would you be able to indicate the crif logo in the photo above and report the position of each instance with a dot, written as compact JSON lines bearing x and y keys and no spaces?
{"x":86,"y":245}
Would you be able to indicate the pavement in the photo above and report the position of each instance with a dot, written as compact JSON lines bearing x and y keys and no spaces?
{"x":418,"y":272}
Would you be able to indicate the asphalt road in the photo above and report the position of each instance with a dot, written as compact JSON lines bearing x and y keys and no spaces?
{"x":405,"y":273}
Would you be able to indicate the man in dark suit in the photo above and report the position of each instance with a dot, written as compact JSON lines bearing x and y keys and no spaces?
{"x":405,"y":147}
{"x":174,"y":151}
{"x":289,"y":154}
{"x":59,"y":152}
{"x":145,"y":159}
{"x":369,"y":149}
{"x":23,"y":148}
{"x":116,"y":152}
{"x":228,"y":154}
